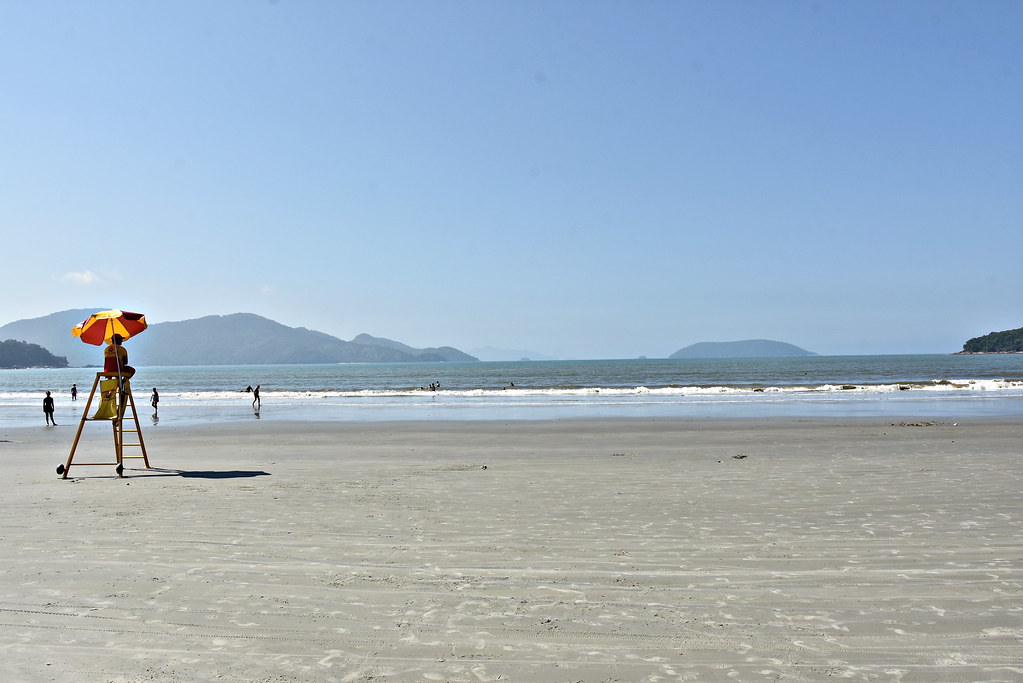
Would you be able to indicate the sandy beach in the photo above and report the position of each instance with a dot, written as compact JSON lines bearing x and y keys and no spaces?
{"x":603,"y":550}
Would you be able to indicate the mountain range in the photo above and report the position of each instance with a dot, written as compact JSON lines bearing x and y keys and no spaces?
{"x":236,"y":339}
{"x":250,"y":339}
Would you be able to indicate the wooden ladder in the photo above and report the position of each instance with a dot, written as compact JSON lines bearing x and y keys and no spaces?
{"x":113,"y":408}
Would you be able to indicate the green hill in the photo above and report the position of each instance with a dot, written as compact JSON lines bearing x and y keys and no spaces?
{"x":19,"y":354}
{"x":1009,"y":341}
{"x":53,"y":332}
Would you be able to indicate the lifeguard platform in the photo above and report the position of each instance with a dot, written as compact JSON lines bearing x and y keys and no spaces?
{"x":116,"y":406}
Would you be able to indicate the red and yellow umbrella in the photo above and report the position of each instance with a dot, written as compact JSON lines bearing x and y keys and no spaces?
{"x":100,"y":327}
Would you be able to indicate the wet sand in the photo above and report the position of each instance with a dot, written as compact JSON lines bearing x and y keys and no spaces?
{"x":632,"y":550}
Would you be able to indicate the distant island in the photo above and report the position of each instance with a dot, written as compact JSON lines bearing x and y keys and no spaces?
{"x":494,"y":354}
{"x":19,"y":354}
{"x":235,"y":339}
{"x":749,"y":348}
{"x":1008,"y":341}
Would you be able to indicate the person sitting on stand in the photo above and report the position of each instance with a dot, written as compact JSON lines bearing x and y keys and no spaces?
{"x":115,"y":358}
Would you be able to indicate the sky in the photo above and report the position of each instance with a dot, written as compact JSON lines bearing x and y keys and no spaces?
{"x":578,"y":178}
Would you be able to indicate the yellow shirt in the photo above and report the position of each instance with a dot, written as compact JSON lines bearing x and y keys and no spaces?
{"x":110,"y":356}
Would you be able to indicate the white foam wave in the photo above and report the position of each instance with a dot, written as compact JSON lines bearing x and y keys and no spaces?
{"x":595,"y":394}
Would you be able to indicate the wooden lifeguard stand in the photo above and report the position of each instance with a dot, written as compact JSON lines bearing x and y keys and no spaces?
{"x":115,"y":401}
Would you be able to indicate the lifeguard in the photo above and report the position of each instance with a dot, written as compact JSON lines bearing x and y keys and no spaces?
{"x":115,"y":358}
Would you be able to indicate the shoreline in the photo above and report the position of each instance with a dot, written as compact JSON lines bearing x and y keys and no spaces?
{"x":984,"y":353}
{"x":549,"y":550}
{"x":836,"y":405}
{"x":250,"y":428}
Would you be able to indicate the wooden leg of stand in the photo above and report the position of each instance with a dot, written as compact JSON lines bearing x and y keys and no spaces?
{"x":63,"y":471}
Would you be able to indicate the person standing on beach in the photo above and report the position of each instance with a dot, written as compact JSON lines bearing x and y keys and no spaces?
{"x":74,"y":392}
{"x":255,"y":397}
{"x":48,"y":410}
{"x":155,"y":400}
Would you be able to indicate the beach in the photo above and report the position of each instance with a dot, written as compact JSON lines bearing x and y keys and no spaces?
{"x":791,"y":549}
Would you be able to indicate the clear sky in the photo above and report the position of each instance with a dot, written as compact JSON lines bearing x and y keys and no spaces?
{"x":580,"y":178}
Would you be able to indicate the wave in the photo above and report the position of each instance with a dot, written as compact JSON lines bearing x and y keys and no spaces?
{"x":957,"y":385}
{"x":954,"y":386}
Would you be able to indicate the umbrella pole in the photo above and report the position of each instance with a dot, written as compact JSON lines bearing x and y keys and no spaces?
{"x":118,"y":424}
{"x":120,"y":385}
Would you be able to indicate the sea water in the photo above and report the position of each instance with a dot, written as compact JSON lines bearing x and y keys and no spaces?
{"x":937,"y":386}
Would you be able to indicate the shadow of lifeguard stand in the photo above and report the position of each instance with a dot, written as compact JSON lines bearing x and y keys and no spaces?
{"x":116,"y":406}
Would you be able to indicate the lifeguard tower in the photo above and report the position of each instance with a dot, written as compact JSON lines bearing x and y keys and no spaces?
{"x":116,"y":404}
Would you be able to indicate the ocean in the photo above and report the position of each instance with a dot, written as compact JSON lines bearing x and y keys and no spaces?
{"x":925,"y":386}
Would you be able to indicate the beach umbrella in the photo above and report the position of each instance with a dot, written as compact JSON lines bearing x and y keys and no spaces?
{"x":100,"y":327}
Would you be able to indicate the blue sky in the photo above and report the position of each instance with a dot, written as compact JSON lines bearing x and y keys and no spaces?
{"x":582,"y":179}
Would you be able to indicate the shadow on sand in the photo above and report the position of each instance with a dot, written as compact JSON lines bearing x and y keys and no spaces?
{"x":202,"y":474}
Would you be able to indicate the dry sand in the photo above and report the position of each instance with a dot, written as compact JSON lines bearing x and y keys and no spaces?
{"x":612,"y":550}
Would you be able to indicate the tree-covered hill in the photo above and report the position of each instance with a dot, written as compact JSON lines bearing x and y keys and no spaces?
{"x":19,"y":354}
{"x":1009,"y":341}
